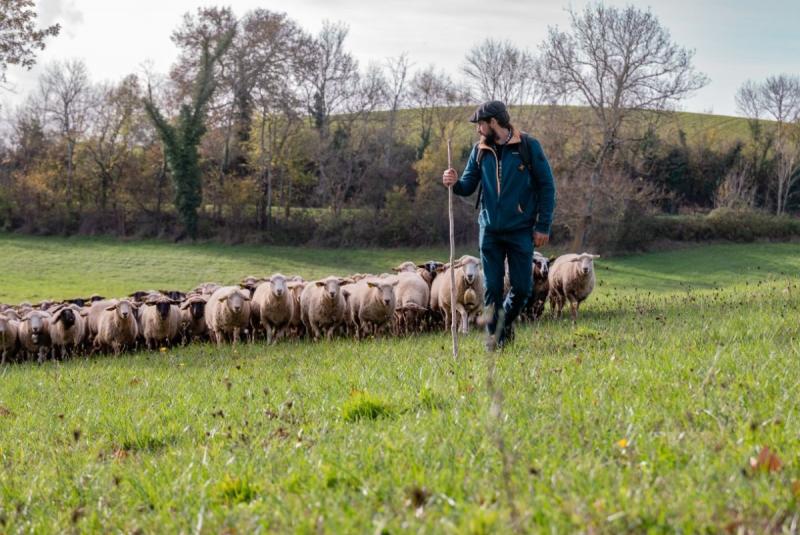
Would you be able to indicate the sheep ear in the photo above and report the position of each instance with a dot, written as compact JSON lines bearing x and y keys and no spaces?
{"x":84,"y":312}
{"x":223,"y":298}
{"x":111,"y":307}
{"x":185,"y":305}
{"x":346,"y":294}
{"x":594,"y":256}
{"x":346,"y":280}
{"x":319,"y":283}
{"x":576,"y":259}
{"x":396,"y":270}
{"x":266,"y":279}
{"x":395,"y":283}
{"x":372,"y":284}
{"x":551,"y":259}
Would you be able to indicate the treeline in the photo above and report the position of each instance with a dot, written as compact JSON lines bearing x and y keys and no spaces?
{"x":294,"y":142}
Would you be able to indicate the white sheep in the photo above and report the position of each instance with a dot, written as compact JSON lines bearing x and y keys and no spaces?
{"x":34,"y":333}
{"x":323,"y":306}
{"x":371,"y":303}
{"x":571,"y":278}
{"x":9,"y":341}
{"x":227,"y":313}
{"x":296,"y":288}
{"x":469,"y":292}
{"x":413,"y":294}
{"x":67,"y":329}
{"x":275,"y":306}
{"x":117,"y":327}
{"x":160,"y":321}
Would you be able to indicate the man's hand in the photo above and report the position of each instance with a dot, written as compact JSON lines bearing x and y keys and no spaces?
{"x":449,"y":177}
{"x":540,"y":240}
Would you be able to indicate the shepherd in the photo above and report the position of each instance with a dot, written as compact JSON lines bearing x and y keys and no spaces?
{"x":516,"y":196}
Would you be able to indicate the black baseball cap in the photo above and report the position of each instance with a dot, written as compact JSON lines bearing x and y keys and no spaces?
{"x":487,"y":110}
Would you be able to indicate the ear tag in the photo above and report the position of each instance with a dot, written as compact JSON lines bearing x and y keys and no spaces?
{"x":521,"y":167}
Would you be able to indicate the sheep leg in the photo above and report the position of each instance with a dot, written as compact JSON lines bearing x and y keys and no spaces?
{"x":574,"y":311}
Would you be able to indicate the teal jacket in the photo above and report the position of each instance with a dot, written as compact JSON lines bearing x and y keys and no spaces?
{"x":511,"y":200}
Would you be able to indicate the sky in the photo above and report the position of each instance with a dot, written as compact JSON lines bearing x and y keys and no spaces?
{"x":734,"y":40}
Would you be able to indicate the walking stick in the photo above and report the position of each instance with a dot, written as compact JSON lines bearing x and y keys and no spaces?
{"x":453,"y":324}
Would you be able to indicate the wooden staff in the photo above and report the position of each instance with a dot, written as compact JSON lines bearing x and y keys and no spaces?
{"x":453,"y":322}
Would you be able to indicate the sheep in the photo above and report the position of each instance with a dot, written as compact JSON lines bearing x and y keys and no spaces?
{"x":9,"y":341}
{"x":67,"y":329}
{"x":572,"y":278}
{"x":541,"y":286}
{"x":323,"y":306}
{"x":193,"y":319}
{"x":371,"y":303}
{"x":117,"y":327}
{"x":34,"y":333}
{"x":275,"y":306}
{"x":160,"y":321}
{"x":296,"y":326}
{"x":227,"y":313}
{"x":413,"y":294}
{"x":469,"y":292}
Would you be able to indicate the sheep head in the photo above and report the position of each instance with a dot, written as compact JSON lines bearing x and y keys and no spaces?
{"x":585,"y":262}
{"x":123,"y":308}
{"x":331,"y":286}
{"x":278,"y":282}
{"x":235,"y":300}
{"x":386,"y":291}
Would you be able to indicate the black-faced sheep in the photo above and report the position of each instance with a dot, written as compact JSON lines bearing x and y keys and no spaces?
{"x":160,"y":320}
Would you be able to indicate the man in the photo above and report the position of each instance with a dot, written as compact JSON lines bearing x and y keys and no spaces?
{"x":516,"y":204}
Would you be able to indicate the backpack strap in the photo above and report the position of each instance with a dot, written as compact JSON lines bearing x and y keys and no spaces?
{"x":525,"y":155}
{"x":478,"y":158}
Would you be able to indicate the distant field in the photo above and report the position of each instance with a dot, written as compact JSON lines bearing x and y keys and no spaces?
{"x":58,"y":268}
{"x":652,"y":415}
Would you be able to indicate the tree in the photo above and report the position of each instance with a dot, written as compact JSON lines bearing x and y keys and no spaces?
{"x":435,"y":98}
{"x":68,"y":98}
{"x":19,"y":37}
{"x":616,"y":61}
{"x":498,"y":70}
{"x":778,"y":99}
{"x":181,"y":140}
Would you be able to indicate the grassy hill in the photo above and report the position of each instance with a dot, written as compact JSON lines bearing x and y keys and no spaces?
{"x":671,"y":406}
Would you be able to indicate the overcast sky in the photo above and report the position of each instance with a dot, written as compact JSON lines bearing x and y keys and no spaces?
{"x":734,"y":40}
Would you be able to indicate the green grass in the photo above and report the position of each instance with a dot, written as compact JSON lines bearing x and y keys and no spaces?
{"x":643,"y":418}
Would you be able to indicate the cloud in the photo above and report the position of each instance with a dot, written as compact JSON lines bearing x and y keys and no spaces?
{"x":62,"y":11}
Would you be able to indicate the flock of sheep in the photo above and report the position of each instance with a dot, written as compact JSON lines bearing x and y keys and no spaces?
{"x":416,"y":297}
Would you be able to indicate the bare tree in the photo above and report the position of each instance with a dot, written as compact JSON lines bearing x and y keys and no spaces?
{"x":498,"y":70}
{"x":68,"y":99}
{"x":777,"y":99}
{"x":616,"y":61}
{"x":396,"y":93}
{"x":436,"y":100}
{"x":331,"y":78}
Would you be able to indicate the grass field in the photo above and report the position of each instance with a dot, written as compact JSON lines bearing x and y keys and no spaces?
{"x":652,"y":415}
